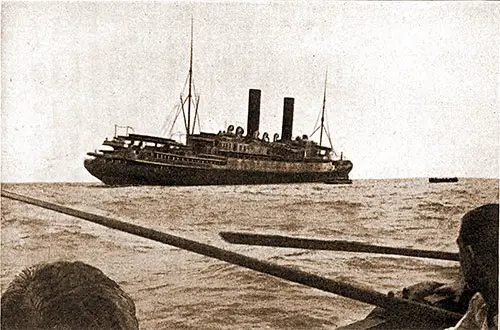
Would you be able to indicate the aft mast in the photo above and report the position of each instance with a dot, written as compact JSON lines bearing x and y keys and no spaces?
{"x":322,"y":126}
{"x":323,"y":112}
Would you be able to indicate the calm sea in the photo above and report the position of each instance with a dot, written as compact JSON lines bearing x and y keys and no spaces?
{"x":176,"y":289}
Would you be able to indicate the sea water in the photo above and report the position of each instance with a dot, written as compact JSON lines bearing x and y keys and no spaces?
{"x":176,"y":289}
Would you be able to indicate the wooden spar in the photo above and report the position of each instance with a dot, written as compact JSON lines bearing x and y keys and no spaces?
{"x":397,"y":306}
{"x":317,"y":244}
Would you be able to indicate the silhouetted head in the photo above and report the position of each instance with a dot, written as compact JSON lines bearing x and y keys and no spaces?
{"x":478,"y":247}
{"x":66,"y":295}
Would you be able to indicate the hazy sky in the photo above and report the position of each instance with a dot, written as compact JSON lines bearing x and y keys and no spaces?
{"x":413,"y":87}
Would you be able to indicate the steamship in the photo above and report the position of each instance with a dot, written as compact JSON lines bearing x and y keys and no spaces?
{"x":229,"y":157}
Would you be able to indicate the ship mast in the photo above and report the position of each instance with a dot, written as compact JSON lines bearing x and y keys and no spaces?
{"x":190,"y":83}
{"x":323,"y":127}
{"x":192,"y":99}
{"x":323,"y":112}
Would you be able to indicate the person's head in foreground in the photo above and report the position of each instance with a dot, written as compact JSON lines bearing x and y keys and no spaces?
{"x":66,"y":295}
{"x":478,"y":248}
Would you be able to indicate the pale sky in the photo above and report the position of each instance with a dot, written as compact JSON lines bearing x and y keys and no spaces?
{"x":413,"y":87}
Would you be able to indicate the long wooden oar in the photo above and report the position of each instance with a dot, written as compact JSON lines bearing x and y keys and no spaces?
{"x":317,"y":244}
{"x":398,"y":306}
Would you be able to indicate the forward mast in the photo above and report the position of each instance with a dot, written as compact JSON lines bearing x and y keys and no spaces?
{"x":191,"y":102}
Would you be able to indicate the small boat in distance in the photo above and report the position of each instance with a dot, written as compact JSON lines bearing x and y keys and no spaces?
{"x":442,"y":180}
{"x":229,"y":157}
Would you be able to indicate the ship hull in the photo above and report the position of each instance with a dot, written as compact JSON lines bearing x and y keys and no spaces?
{"x":133,"y":172}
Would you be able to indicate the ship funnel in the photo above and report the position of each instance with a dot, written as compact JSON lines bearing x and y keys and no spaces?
{"x":253,"y":111}
{"x":286,"y":130}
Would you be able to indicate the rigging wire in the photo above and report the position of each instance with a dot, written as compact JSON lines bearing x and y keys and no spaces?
{"x":166,"y":123}
{"x":198,"y":113}
{"x":184,"y":112}
{"x":327,"y":131}
{"x":316,"y":126}
{"x":177,"y":113}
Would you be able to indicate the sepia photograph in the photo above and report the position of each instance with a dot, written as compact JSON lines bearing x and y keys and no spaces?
{"x":259,"y":164}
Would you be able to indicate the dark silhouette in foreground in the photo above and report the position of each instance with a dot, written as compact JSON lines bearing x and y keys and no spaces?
{"x":474,"y":293}
{"x":66,"y":295}
{"x":478,"y":246}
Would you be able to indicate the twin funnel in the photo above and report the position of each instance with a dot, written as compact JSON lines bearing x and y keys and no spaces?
{"x":254,"y":115}
{"x":253,"y":112}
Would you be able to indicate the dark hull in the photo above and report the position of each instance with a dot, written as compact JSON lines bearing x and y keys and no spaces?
{"x":338,"y":181}
{"x":130,"y":172}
